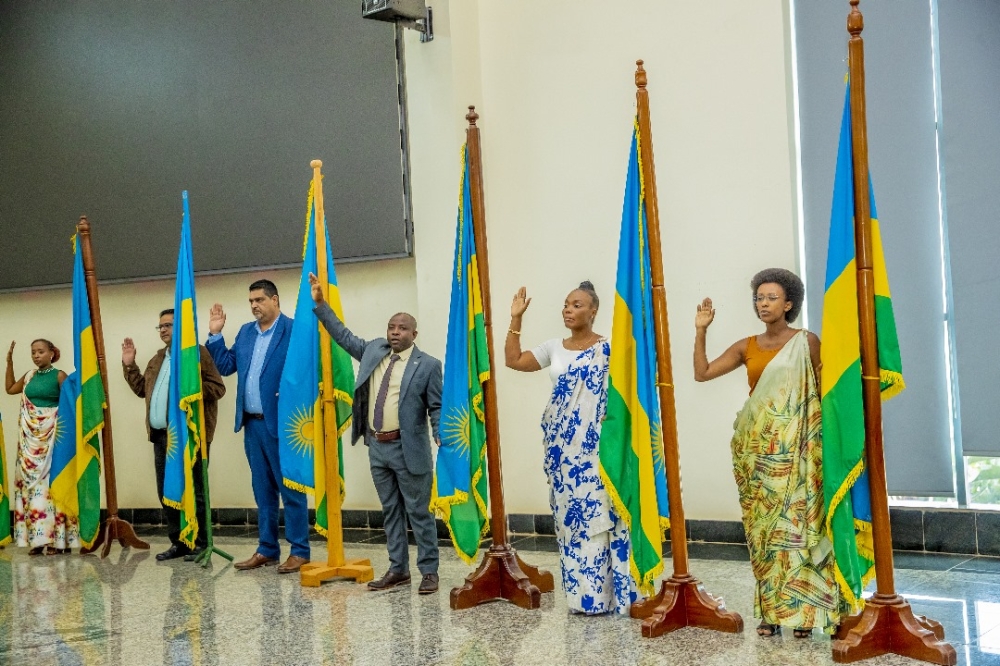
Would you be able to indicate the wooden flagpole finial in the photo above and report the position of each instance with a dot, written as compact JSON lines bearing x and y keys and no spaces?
{"x":472,"y":116}
{"x":316,"y":164}
{"x":855,"y":20}
{"x":640,"y":75}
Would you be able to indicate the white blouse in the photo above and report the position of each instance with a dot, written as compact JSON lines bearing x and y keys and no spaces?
{"x":553,"y":355}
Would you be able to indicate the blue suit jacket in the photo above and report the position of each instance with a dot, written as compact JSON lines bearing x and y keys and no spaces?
{"x":237,"y":359}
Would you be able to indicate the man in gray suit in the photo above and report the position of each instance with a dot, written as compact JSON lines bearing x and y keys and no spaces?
{"x":398,"y":388}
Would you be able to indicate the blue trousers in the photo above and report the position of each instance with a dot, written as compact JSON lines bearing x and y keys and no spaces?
{"x":266,"y":479}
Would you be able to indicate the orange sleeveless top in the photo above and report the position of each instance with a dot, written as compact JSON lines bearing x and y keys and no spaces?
{"x":756,"y":360}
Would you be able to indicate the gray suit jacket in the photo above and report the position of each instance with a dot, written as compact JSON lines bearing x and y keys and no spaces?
{"x":419,"y":392}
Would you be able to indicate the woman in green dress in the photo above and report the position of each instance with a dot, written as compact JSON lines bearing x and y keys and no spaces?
{"x":37,"y":524}
{"x":778,"y":458}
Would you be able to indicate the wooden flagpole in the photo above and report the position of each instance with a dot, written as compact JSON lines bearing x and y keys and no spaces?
{"x":314,"y":573}
{"x":112,"y":527}
{"x":887,"y":624}
{"x":502,"y":574}
{"x":682,"y":601}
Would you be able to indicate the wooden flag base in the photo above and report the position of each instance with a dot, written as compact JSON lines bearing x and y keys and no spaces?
{"x":888,"y":626}
{"x":314,"y":573}
{"x":503,"y":575}
{"x":111,"y":529}
{"x":683,"y":602}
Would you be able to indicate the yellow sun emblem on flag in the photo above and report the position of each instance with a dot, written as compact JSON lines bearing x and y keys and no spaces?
{"x":302,"y":432}
{"x":455,"y":429}
{"x":657,"y":435}
{"x":172,"y":446}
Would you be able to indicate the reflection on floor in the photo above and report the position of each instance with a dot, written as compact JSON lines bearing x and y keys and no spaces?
{"x":130,"y":609}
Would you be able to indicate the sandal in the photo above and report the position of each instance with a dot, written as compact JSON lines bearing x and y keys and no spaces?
{"x":801,"y":632}
{"x":38,"y":550}
{"x":765,"y":630}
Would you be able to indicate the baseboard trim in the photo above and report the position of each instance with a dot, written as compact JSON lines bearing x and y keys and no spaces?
{"x":954,"y":531}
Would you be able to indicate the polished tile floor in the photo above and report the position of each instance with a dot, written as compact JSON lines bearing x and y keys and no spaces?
{"x":130,"y":610}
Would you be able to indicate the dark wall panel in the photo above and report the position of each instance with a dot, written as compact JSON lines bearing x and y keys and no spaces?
{"x":113,"y":108}
{"x":902,"y":151}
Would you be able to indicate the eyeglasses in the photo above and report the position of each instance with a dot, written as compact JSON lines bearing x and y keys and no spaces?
{"x":760,"y":298}
{"x":163,"y":327}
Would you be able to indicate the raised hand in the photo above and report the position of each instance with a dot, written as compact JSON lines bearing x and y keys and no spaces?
{"x":317,"y":290}
{"x":128,"y":352}
{"x":705,"y":315}
{"x":520,"y":303}
{"x":216,"y":319}
{"x":10,"y":352}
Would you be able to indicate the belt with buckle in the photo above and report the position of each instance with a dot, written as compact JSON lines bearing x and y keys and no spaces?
{"x":388,"y":436}
{"x":249,"y":416}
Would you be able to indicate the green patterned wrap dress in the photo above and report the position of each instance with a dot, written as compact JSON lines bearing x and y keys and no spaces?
{"x":778,"y":463}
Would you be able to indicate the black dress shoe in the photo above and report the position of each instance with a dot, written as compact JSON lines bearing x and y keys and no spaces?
{"x":429,"y":584}
{"x":193,"y":555}
{"x":390,"y":579}
{"x":176,"y":550}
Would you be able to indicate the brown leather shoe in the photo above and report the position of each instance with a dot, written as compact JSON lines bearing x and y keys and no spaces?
{"x":429,"y":584}
{"x":255,"y":562}
{"x":389,"y":580}
{"x":292,"y":564}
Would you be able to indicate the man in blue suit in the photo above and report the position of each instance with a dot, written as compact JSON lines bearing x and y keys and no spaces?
{"x":258,"y":357}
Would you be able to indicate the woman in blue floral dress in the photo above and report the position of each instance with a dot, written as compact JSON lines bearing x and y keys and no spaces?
{"x":593,"y":541}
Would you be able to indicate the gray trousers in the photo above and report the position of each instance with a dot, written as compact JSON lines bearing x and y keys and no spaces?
{"x":404,"y":496}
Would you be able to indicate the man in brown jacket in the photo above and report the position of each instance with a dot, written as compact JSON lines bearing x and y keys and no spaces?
{"x":153,"y":385}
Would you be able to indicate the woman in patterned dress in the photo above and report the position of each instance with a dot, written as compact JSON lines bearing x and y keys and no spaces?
{"x":37,"y":524}
{"x":778,"y":458}
{"x":593,"y":541}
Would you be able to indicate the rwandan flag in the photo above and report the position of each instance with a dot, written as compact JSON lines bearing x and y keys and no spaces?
{"x":631,"y":447}
{"x":301,"y":441}
{"x":4,"y":493}
{"x":460,"y":487}
{"x":76,"y":458}
{"x":185,"y":406}
{"x":845,"y":480}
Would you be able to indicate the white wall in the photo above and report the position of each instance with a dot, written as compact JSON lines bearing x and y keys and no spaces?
{"x":553,"y":83}
{"x":369,"y":291}
{"x":556,"y":94}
